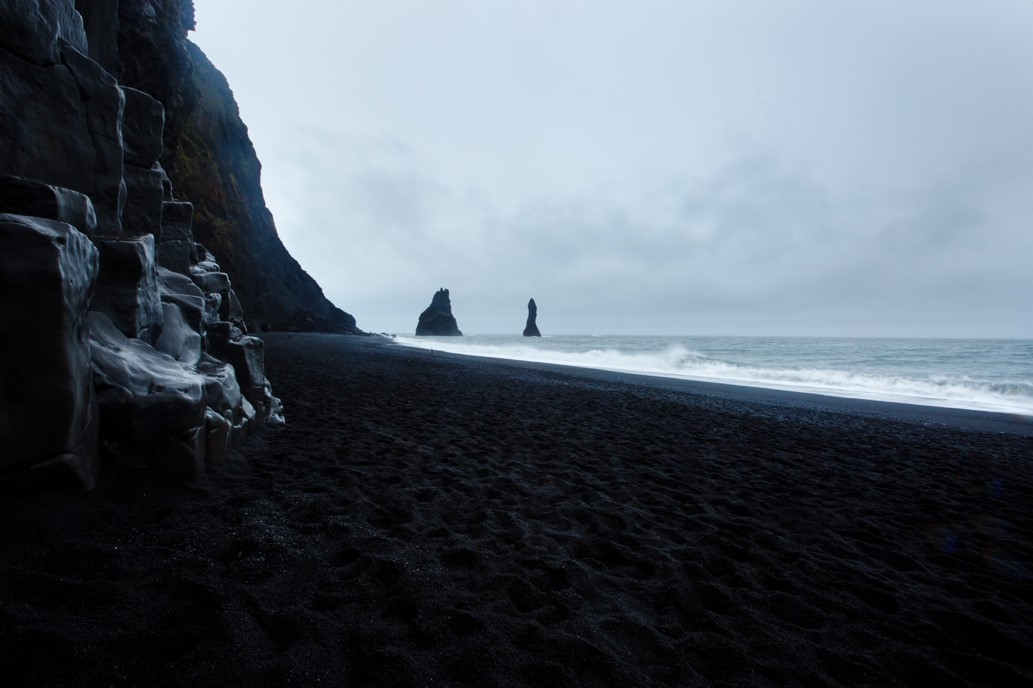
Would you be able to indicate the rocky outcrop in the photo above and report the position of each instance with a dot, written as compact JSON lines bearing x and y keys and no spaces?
{"x":122,"y":338}
{"x":209,"y":156}
{"x":437,"y":320}
{"x":127,"y":286}
{"x":61,"y":122}
{"x":34,"y":198}
{"x":48,"y":408}
{"x":152,"y":408}
{"x":531,"y":328}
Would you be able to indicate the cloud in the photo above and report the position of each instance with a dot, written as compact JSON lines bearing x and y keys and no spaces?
{"x":801,"y":167}
{"x":751,"y":245}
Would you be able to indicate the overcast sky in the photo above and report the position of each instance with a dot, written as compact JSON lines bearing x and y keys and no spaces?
{"x":800,"y":167}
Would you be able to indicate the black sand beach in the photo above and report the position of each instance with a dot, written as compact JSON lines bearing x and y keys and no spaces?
{"x":433,"y":520}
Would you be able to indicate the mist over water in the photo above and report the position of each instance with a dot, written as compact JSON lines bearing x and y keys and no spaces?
{"x":987,"y":375}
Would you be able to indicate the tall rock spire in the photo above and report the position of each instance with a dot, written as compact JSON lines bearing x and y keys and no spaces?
{"x":531,"y":329}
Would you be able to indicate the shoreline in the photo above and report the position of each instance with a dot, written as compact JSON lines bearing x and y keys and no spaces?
{"x":453,"y":521}
{"x":925,"y":414}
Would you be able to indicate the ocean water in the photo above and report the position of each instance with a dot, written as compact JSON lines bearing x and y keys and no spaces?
{"x":982,"y":374}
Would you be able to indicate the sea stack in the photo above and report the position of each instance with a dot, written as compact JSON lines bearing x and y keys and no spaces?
{"x":437,"y":320}
{"x":531,"y":329}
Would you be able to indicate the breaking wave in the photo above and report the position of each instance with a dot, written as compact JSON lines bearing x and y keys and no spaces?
{"x":679,"y":361}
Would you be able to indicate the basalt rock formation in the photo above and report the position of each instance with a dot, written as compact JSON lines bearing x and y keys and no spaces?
{"x":207,"y":152}
{"x":531,"y":328}
{"x":437,"y":320}
{"x":121,"y":337}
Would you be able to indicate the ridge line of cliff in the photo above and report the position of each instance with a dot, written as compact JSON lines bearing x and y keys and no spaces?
{"x":212,"y":160}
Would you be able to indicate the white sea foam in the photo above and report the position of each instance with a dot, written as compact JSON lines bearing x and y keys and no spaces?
{"x":954,"y":390}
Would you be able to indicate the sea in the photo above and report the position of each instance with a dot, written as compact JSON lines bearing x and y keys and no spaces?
{"x":980,"y":374}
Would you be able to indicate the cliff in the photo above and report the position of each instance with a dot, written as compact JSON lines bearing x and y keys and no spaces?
{"x":123,"y":333}
{"x":209,"y":156}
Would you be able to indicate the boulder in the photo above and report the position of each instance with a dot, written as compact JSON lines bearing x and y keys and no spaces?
{"x":437,"y":319}
{"x":43,"y":129}
{"x":212,"y":282}
{"x":177,"y":256}
{"x":102,"y":99}
{"x":127,"y":287}
{"x":531,"y":328}
{"x":62,"y":123}
{"x":143,"y":121}
{"x":181,"y":290}
{"x":222,"y":392}
{"x":22,"y":196}
{"x":179,"y":338}
{"x":212,"y":308}
{"x":247,"y":356}
{"x":274,"y":414}
{"x":102,"y":103}
{"x":218,"y":437}
{"x":166,"y":185}
{"x":224,"y":396}
{"x":177,"y":219}
{"x":182,"y":339}
{"x":152,"y":409}
{"x":221,"y":333}
{"x":233,"y":311}
{"x":205,"y":260}
{"x":48,"y":414}
{"x":145,"y":197}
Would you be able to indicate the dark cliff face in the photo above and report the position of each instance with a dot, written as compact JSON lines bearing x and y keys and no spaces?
{"x":231,"y":216}
{"x":210,"y":159}
{"x":123,"y":340}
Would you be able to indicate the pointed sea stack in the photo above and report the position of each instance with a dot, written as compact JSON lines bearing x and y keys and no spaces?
{"x":437,"y":320}
{"x":531,"y":329}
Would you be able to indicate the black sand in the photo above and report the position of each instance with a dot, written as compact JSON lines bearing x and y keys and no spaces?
{"x":433,"y":520}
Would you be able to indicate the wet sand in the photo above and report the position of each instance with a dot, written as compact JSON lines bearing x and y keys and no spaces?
{"x":440,"y":520}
